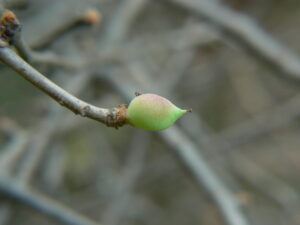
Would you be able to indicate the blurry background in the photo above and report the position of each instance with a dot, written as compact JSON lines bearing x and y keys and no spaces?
{"x":244,"y":123}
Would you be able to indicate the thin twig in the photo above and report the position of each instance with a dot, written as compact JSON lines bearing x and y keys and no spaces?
{"x":58,"y":17}
{"x":11,"y":35}
{"x":111,"y":117}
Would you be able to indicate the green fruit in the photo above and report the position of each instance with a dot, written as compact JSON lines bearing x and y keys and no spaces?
{"x":153,"y":112}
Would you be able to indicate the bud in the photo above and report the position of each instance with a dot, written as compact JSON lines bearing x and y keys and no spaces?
{"x":153,"y":112}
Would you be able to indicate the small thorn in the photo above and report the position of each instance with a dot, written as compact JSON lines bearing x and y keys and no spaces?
{"x":137,"y":93}
{"x":189,"y":110}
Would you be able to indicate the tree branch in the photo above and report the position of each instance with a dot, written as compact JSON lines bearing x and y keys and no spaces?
{"x":114,"y":117}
